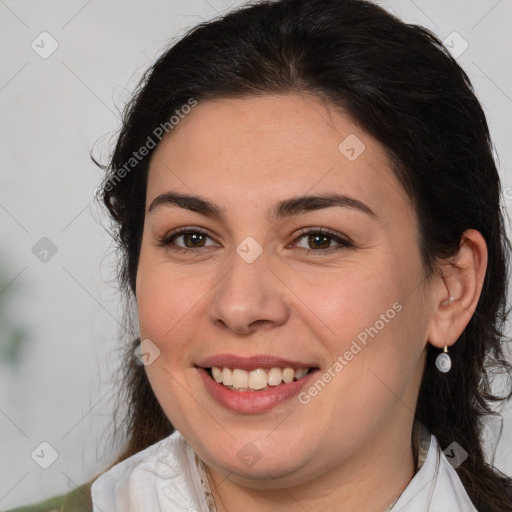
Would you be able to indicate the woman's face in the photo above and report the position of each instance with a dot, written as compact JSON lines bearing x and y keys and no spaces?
{"x":259,"y":289}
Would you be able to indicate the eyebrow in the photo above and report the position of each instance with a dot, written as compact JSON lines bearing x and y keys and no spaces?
{"x":286,"y":208}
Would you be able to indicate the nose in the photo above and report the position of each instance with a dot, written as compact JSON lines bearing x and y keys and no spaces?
{"x":249,"y":296}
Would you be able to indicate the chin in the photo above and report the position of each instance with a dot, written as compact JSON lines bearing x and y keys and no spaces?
{"x":257,"y":466}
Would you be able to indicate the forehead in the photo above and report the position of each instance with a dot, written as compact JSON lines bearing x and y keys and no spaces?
{"x":267,"y":148}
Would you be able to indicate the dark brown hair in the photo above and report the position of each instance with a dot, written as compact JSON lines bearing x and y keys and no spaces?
{"x":402,"y":86}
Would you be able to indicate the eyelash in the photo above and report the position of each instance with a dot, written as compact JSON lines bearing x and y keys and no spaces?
{"x":344,"y":243}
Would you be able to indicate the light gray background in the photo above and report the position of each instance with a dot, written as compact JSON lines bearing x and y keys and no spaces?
{"x":53,"y":111}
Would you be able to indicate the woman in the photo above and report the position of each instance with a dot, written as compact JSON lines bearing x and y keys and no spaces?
{"x":308,"y":210}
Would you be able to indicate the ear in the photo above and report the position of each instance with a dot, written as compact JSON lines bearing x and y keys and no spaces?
{"x":457,"y":291}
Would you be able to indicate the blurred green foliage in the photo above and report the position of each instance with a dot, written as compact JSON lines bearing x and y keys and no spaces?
{"x":13,"y":336}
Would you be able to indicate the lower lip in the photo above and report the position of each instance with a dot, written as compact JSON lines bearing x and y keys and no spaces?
{"x":252,"y":402}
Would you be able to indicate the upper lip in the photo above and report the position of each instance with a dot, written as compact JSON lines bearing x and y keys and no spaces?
{"x":252,"y":362}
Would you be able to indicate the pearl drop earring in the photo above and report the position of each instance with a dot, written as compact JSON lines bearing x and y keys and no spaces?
{"x":443,"y":361}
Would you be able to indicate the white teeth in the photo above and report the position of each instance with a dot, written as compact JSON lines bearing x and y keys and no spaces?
{"x":227,"y":377}
{"x":275,"y":376}
{"x":300,"y":373}
{"x":288,"y":375}
{"x":217,"y":374}
{"x":240,"y":378}
{"x":256,"y":379}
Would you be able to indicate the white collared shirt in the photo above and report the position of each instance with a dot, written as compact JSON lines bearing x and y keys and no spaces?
{"x":165,"y":477}
{"x":436,"y":487}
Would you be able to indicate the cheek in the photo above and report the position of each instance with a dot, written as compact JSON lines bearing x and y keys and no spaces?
{"x":164,"y":303}
{"x":371,"y":323}
{"x":166,"y":312}
{"x":348,"y":301}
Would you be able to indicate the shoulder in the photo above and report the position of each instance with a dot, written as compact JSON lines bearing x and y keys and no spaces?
{"x":167,"y":455}
{"x":168,"y":469}
{"x":435,"y":486}
{"x":78,"y":500}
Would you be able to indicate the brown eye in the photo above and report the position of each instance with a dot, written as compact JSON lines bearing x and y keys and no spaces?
{"x":187,"y":240}
{"x":321,"y":240}
{"x":193,"y":239}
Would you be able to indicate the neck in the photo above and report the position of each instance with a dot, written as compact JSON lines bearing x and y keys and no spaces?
{"x":365,"y":482}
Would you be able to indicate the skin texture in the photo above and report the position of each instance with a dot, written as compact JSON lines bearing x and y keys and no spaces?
{"x":333,"y":453}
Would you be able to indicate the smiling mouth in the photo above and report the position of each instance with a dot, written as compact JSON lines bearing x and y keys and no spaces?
{"x":259,"y":379}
